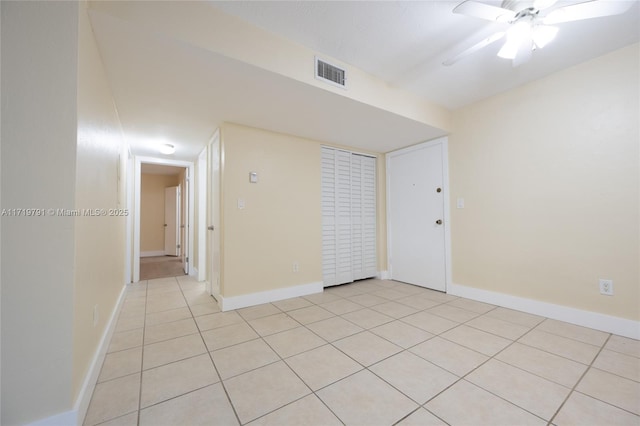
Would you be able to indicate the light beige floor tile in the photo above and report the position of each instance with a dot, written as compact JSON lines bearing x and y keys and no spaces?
{"x":410,"y":289}
{"x":261,"y":391}
{"x":535,"y":394}
{"x":367,"y":318}
{"x":341,"y":306}
{"x":128,"y":323}
{"x":420,"y":380}
{"x":258,"y":311}
{"x":583,"y":410}
{"x":222,"y":337}
{"x":568,"y":348}
{"x":367,"y":348}
{"x":294,"y":341}
{"x":452,"y":313}
{"x":620,"y":364}
{"x":472,"y":305}
{"x":395,"y":309}
{"x":364,"y":399}
{"x":477,"y":340}
{"x":498,"y":327}
{"x":389,"y":294}
{"x":368,"y":300}
{"x":219,"y":319}
{"x":125,"y":340}
{"x":306,"y":411}
{"x":334,"y":328}
{"x":612,"y":389}
{"x":130,"y":419}
{"x":516,"y":317}
{"x":172,"y":350}
{"x":544,"y":364}
{"x":198,"y":297}
{"x":310,"y":314}
{"x":207,"y":308}
{"x":345,"y":290}
{"x":169,"y":330}
{"x":418,"y":302}
{"x":575,"y":332}
{"x":438,"y":296}
{"x":323,"y":297}
{"x":176,"y":378}
{"x":450,"y":356}
{"x":429,"y":322}
{"x":165,"y":304}
{"x":243,"y":357}
{"x":466,"y":404}
{"x":167,"y":316}
{"x":292,"y":304}
{"x":421,"y":417}
{"x":322,"y":366}
{"x":402,"y":334}
{"x":202,"y":407}
{"x":122,"y":363}
{"x":273,"y":324}
{"x":624,"y":345}
{"x":113,"y":399}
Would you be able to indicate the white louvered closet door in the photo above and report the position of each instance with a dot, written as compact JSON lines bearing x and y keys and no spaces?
{"x":348,"y":217}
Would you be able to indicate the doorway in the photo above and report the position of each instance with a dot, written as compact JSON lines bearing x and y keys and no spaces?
{"x":151,"y":258}
{"x":418,"y":215}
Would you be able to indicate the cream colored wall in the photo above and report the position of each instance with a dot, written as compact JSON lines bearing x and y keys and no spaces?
{"x":152,"y":210}
{"x":202,"y":25}
{"x":100,"y":184}
{"x":281,"y":222}
{"x":550,"y":177}
{"x":39,"y":138}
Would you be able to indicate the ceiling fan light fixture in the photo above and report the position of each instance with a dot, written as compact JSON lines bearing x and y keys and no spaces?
{"x":517,"y":37}
{"x":543,"y":35}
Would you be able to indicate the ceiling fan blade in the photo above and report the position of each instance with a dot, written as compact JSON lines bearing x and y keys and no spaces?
{"x":484,"y":43}
{"x":484,"y":11}
{"x":588,"y":10}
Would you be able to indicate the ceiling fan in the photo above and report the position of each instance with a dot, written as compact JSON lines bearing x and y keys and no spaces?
{"x":531,"y":27}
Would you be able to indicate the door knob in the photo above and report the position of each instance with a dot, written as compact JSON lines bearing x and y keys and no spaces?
{"x":439,"y":190}
{"x":439,"y":222}
{"x":210,"y":228}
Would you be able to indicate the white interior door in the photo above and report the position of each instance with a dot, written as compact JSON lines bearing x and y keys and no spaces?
{"x":415,"y":204}
{"x":214,"y":230}
{"x":171,"y":221}
{"x":184,"y":225}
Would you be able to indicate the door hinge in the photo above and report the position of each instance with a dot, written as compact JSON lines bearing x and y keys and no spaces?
{"x":187,"y":260}
{"x":178,"y":246}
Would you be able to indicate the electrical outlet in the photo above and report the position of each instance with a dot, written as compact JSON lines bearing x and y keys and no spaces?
{"x":606,"y":287}
{"x":95,"y":315}
{"x":296,"y":267}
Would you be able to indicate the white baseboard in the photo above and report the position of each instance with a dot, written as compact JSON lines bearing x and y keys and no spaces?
{"x":90,"y":380}
{"x":383,"y":275}
{"x":152,"y":253}
{"x":76,"y":416}
{"x":193,"y":271}
{"x":252,"y":299}
{"x":610,"y":324}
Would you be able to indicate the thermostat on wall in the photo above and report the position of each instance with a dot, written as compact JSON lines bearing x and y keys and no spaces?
{"x":253,"y":177}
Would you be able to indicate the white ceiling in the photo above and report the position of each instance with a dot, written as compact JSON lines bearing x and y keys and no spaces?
{"x":170,"y":91}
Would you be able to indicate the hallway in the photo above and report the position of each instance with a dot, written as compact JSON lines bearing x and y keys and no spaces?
{"x":372,"y":352}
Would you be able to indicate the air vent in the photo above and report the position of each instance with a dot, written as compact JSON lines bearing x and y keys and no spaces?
{"x":331,"y":73}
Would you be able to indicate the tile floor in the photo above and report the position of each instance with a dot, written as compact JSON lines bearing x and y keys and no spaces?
{"x":368,"y":353}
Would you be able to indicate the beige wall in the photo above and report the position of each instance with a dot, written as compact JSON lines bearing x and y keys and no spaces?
{"x":100,"y":184}
{"x":39,"y":138}
{"x":549,"y":174}
{"x":281,"y":221}
{"x":152,"y":210}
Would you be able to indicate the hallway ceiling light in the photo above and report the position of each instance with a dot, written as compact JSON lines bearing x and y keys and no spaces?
{"x":167,"y":149}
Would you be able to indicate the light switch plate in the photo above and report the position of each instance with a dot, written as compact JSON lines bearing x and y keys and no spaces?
{"x":253,"y":177}
{"x":460,"y":203}
{"x":240,"y":203}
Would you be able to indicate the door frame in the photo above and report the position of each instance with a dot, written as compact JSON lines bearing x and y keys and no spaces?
{"x":444,"y":142}
{"x":139,"y":160}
